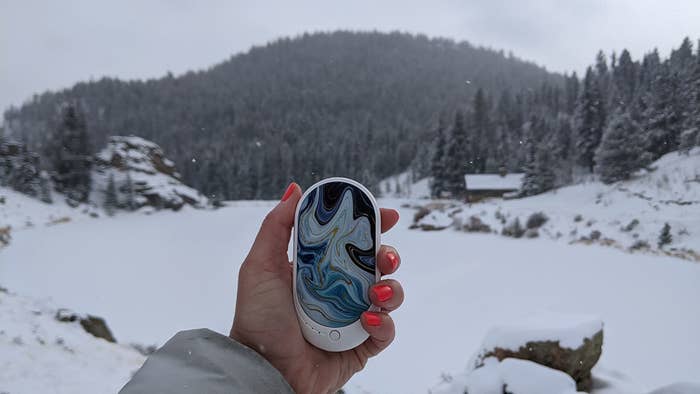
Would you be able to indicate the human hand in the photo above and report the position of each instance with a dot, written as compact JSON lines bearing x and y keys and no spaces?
{"x":266,"y":319}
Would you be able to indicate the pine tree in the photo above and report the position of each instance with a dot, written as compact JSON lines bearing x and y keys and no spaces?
{"x":45,"y":188}
{"x":589,"y":121}
{"x":71,"y":156}
{"x":481,"y":127}
{"x":619,"y":153}
{"x":437,"y":163}
{"x":690,"y":136}
{"x":625,"y":79}
{"x":665,"y":236}
{"x":663,"y":115}
{"x":457,"y":159}
{"x":110,"y":199}
{"x":539,"y":163}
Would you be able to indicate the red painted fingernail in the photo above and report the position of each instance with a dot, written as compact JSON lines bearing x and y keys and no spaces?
{"x":393,"y":260}
{"x":289,"y":191}
{"x":372,"y":319}
{"x":383,"y":292}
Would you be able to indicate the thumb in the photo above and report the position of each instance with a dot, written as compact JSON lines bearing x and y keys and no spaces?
{"x":276,"y":228}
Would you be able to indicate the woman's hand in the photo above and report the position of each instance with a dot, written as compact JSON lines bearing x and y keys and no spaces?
{"x":266,"y":320}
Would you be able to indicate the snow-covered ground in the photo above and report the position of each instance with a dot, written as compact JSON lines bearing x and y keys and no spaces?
{"x":152,"y":275}
{"x":38,"y":354}
{"x":627,"y":215}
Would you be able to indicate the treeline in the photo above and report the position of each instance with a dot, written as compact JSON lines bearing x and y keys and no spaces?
{"x":623,"y":115}
{"x":68,"y":153}
{"x":318,"y":105}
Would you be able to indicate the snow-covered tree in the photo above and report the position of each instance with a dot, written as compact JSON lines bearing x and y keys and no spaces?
{"x":45,"y":188}
{"x":110,"y":199}
{"x":690,"y":136}
{"x":71,"y":156}
{"x":456,"y":161}
{"x":663,"y":116}
{"x":540,"y":165}
{"x":589,"y":121}
{"x":620,"y":151}
{"x":437,"y":162}
{"x":483,"y":138}
{"x":665,"y":236}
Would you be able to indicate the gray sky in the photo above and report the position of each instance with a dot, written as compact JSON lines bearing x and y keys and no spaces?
{"x":53,"y":44}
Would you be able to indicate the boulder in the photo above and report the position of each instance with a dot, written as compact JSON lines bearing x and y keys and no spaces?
{"x":568,"y":343}
{"x":142,"y":175}
{"x":91,"y":324}
{"x":476,"y":225}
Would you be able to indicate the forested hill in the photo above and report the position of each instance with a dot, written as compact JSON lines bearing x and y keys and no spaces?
{"x":343,"y":103}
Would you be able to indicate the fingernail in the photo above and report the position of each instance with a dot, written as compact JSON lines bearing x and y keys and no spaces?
{"x":288,"y":192}
{"x":383,"y":292}
{"x":393,"y":260}
{"x":372,"y":319}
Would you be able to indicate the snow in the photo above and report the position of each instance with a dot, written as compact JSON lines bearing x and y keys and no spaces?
{"x":516,"y":376}
{"x":568,"y":329}
{"x":678,"y":388}
{"x":38,"y":354}
{"x":437,"y":220}
{"x":493,"y":181}
{"x":624,"y":214}
{"x":526,"y":377}
{"x":407,"y":187}
{"x":22,"y":212}
{"x":152,"y":275}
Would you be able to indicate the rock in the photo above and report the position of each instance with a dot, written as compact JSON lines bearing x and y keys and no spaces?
{"x":475,"y":225}
{"x":513,"y":229}
{"x":143,"y":176}
{"x":531,"y":233}
{"x":5,"y":236}
{"x":536,"y":220}
{"x":568,"y":343}
{"x":433,"y":217}
{"x":91,"y":324}
{"x":19,"y":168}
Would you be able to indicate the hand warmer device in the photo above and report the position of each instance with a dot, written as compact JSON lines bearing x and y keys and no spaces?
{"x":336,"y":240}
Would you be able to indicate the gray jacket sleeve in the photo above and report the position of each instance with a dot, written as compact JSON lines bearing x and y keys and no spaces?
{"x":202,"y":361}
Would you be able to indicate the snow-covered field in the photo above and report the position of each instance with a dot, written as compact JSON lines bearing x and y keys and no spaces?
{"x":627,"y":215}
{"x":152,"y":275}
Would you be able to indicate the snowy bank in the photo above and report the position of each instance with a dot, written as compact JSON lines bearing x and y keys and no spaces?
{"x":39,"y":354}
{"x":629,"y":215}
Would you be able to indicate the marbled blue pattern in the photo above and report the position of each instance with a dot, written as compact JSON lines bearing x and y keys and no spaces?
{"x":335,"y":254}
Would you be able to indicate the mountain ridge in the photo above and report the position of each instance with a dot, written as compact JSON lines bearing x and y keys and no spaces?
{"x":371,"y":94}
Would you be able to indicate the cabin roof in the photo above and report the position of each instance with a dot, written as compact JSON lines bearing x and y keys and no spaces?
{"x":508,"y":182}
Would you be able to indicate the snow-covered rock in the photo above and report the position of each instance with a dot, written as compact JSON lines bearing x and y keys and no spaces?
{"x":512,"y":376}
{"x":568,"y":343}
{"x":39,"y":354}
{"x":19,"y":169}
{"x":142,"y":175}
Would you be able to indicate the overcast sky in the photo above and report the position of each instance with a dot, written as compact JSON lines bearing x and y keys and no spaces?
{"x":53,"y":44}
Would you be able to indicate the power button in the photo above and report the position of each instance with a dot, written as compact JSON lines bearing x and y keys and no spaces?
{"x":334,"y":335}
